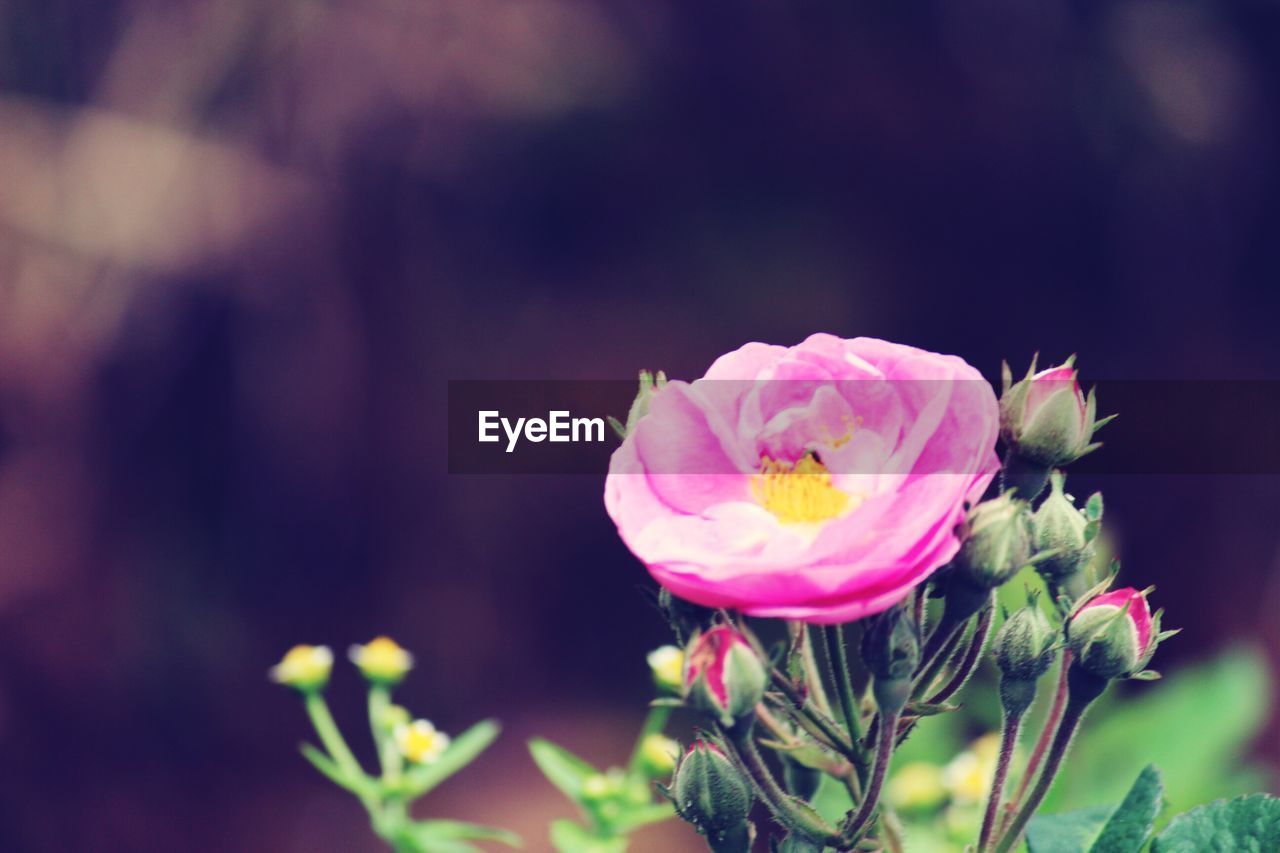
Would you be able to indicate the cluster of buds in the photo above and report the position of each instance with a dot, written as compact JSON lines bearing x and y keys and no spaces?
{"x":1046,"y":421}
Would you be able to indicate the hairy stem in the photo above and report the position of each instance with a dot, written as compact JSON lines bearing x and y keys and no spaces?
{"x":1042,"y":742}
{"x":786,"y":809}
{"x":1082,"y":690}
{"x":858,"y":824}
{"x":1008,"y":742}
{"x":838,"y":655}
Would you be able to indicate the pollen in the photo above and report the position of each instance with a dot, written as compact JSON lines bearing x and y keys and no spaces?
{"x":798,"y":492}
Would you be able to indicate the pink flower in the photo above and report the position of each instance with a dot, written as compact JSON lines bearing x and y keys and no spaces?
{"x":825,"y":497}
{"x":1114,"y":634}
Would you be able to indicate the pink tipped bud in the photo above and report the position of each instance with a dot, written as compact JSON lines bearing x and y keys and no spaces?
{"x":723,"y":674}
{"x":1047,"y":419}
{"x":1115,"y":634}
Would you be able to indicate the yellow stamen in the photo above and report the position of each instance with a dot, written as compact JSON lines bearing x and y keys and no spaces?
{"x":800,"y":492}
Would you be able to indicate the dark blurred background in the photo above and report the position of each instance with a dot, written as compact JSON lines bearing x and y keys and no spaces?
{"x":243,"y":246}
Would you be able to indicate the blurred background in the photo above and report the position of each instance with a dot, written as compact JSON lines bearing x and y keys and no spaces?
{"x":243,"y":246}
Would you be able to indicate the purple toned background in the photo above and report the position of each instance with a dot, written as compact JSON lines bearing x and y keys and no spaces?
{"x":243,"y":246}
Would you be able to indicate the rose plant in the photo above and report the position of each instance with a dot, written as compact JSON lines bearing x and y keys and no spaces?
{"x":830,"y":526}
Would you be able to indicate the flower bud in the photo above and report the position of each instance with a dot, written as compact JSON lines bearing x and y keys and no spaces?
{"x":1066,"y":535}
{"x":723,"y":674}
{"x":649,"y":384}
{"x":709,"y":792}
{"x":657,"y":755}
{"x":1046,"y":418}
{"x":1024,"y":652}
{"x":667,"y":665}
{"x":420,"y":742}
{"x":997,"y":542}
{"x":1115,"y":634}
{"x":304,"y":668}
{"x":382,"y":661}
{"x":891,"y":651}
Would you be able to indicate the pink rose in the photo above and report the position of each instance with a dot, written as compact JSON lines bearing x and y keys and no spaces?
{"x":825,"y":497}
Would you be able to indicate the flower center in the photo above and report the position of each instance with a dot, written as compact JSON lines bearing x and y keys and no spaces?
{"x":798,"y":492}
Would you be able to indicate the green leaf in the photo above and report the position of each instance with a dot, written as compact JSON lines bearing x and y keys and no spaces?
{"x":562,"y":768}
{"x":1072,"y":832}
{"x":1101,"y":829}
{"x":570,"y":837}
{"x":1129,"y":826}
{"x":463,"y":750}
{"x":1244,"y":825}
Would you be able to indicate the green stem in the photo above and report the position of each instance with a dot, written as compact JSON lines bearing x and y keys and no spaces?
{"x":787,"y":810}
{"x":389,"y":757}
{"x":1083,"y":689}
{"x":1008,"y":742}
{"x":654,"y":723}
{"x":327,"y":730}
{"x":858,"y":824}
{"x":1042,"y":742}
{"x":813,"y":674}
{"x":838,"y":656}
{"x":972,"y":655}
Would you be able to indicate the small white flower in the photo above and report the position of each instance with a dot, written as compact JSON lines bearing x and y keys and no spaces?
{"x":420,"y":742}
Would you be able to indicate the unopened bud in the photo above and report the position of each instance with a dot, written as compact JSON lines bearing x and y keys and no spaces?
{"x":382,"y":661}
{"x":1046,"y":418}
{"x":1024,"y":652}
{"x":723,"y":674}
{"x":891,"y":651}
{"x":709,"y":792}
{"x":996,"y":542}
{"x":667,"y":665}
{"x":1067,"y":536}
{"x":658,"y":755}
{"x":1115,"y":634}
{"x":304,"y":668}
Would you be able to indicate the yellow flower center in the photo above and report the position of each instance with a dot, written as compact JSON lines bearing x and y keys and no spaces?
{"x":799,"y":492}
{"x":421,"y":742}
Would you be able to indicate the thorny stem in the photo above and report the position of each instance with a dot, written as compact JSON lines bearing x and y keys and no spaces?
{"x":1008,"y":742}
{"x":1083,"y":689}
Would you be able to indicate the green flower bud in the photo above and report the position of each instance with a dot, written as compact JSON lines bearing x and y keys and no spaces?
{"x":709,"y":792}
{"x":305,"y":668}
{"x":1067,"y":534}
{"x":997,"y":542}
{"x":1024,"y":652}
{"x":1024,"y":644}
{"x":891,"y":651}
{"x":723,"y":674}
